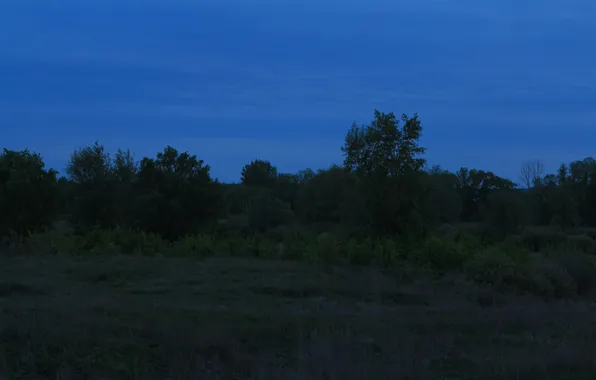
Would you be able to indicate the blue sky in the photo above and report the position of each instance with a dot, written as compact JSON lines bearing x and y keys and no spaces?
{"x":494,"y":82}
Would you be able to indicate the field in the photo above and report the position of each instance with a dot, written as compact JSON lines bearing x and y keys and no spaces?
{"x":165,"y":318}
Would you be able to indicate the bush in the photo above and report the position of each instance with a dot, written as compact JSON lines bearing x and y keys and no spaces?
{"x":538,"y":239}
{"x":490,"y":267}
{"x":29,"y":194}
{"x":591,"y":232}
{"x":48,"y":242}
{"x":98,"y":241}
{"x":138,"y":242}
{"x":441,"y":254}
{"x":234,"y":224}
{"x":268,"y":248}
{"x":550,"y":280}
{"x":390,"y":253}
{"x":538,"y":276}
{"x":197,"y":245}
{"x":581,"y":268}
{"x":359,"y":253}
{"x":53,"y":242}
{"x":325,"y":249}
{"x":506,"y":211}
{"x":448,"y":231}
{"x":582,"y":243}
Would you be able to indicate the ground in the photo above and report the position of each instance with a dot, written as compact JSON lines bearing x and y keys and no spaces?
{"x":164,"y":318}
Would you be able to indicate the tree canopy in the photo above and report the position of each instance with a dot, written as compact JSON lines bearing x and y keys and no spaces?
{"x":383,"y":188}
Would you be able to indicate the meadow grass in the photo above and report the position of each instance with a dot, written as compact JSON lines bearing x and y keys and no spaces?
{"x":161,"y":318}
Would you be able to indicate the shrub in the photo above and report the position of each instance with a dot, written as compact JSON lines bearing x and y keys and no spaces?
{"x":550,"y":280}
{"x":52,"y":242}
{"x":448,"y":231}
{"x":324,"y":249}
{"x":138,"y":242}
{"x":468,"y":241}
{"x":390,"y":252}
{"x":441,"y":254}
{"x":582,"y":243}
{"x":538,"y":239}
{"x":538,"y":276}
{"x":513,"y":242}
{"x":196,"y":245}
{"x":29,"y":196}
{"x":350,"y":249}
{"x":268,"y":248}
{"x":48,"y":242}
{"x":476,"y":230}
{"x":492,"y":267}
{"x":251,"y":246}
{"x":236,"y":224}
{"x":97,"y":241}
{"x":360,"y":253}
{"x":378,"y":252}
{"x":581,"y":268}
{"x":506,"y":211}
{"x":237,"y":246}
{"x":591,"y":232}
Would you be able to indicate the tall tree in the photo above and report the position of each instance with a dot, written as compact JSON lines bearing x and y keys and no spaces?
{"x":29,"y":197}
{"x":91,"y":171}
{"x":176,"y":194}
{"x":444,"y":203}
{"x":386,"y":157}
{"x":259,"y":173}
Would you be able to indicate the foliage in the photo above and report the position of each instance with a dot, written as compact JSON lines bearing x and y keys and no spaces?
{"x":176,"y":195}
{"x":90,"y":170}
{"x":441,"y":255}
{"x":443,"y":203}
{"x":383,"y":206}
{"x":499,"y":270}
{"x":265,"y":211}
{"x":538,"y":239}
{"x":29,"y":194}
{"x":505,"y":211}
{"x":387,"y":160}
{"x":259,"y":173}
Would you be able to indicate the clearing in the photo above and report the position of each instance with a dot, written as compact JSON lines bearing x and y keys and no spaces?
{"x":165,"y":318}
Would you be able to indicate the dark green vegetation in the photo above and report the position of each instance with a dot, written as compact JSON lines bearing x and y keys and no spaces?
{"x":381,"y":267}
{"x":171,"y":318}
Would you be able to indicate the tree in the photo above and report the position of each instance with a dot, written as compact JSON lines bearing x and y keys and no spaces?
{"x":562,"y":175}
{"x":176,"y":195}
{"x":91,"y":171}
{"x":474,"y":187}
{"x":443,"y":203}
{"x":531,"y":173}
{"x":29,"y":197}
{"x":383,"y":149}
{"x":386,"y":159}
{"x":286,"y":188}
{"x":582,"y":176}
{"x":259,"y":173}
{"x":506,"y":210}
{"x":265,"y":211}
{"x":124,"y":175}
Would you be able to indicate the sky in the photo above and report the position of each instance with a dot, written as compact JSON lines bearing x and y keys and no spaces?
{"x":495,"y":82}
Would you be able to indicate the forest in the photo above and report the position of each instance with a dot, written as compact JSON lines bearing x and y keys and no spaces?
{"x":385,"y":206}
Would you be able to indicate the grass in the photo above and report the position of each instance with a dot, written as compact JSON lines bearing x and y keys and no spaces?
{"x":166,"y":318}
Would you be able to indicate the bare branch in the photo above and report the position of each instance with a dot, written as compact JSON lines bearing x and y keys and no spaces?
{"x":531,"y":172}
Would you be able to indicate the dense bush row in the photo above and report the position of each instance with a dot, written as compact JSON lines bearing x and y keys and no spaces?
{"x":381,"y":206}
{"x":561,"y":270}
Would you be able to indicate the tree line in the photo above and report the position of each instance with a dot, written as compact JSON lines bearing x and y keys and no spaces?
{"x":384,"y":188}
